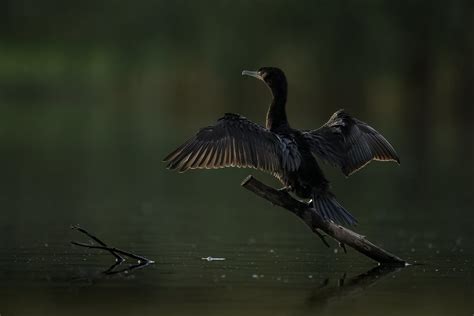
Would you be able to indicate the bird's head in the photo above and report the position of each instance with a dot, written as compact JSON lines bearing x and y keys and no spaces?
{"x":273,"y":77}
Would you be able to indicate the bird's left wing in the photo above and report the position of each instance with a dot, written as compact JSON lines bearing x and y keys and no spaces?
{"x":233,"y":141}
{"x":348,"y":143}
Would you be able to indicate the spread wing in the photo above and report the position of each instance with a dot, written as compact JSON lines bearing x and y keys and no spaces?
{"x":349,"y":144}
{"x":234,"y":141}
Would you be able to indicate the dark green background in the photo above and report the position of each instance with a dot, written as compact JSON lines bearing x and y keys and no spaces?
{"x":94,"y":94}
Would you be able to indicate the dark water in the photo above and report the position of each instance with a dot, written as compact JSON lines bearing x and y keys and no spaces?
{"x":263,"y":273}
{"x":273,"y":264}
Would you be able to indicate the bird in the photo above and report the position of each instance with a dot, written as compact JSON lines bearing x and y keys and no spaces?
{"x":291,"y":155}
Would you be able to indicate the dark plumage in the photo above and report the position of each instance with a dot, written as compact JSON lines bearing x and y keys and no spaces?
{"x":286,"y":153}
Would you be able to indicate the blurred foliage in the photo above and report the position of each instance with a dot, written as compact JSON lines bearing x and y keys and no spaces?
{"x":94,"y":93}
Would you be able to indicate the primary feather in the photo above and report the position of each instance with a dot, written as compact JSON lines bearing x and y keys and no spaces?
{"x":234,"y":141}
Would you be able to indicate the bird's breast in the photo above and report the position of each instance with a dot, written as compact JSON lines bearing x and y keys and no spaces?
{"x":300,"y":170}
{"x":290,"y":154}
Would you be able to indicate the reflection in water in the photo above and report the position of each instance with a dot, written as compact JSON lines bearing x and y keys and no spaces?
{"x":321,"y":297}
{"x":318,"y":299}
{"x":114,"y":269}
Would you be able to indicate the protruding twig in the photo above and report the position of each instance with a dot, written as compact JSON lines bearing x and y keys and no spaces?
{"x":315,"y":221}
{"x":113,"y":250}
{"x":118,"y":258}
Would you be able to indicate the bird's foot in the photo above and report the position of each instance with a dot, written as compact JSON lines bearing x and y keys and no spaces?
{"x":286,"y":189}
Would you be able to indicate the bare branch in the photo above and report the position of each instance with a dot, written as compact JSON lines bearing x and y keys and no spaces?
{"x":314,"y":221}
{"x":118,"y":258}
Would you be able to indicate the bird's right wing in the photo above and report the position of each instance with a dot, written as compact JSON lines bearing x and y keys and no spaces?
{"x":349,"y":143}
{"x":234,"y":141}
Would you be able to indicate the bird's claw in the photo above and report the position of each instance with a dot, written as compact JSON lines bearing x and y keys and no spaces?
{"x":286,"y":189}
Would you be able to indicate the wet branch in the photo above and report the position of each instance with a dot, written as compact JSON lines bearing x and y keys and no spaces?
{"x":343,"y":235}
{"x":117,"y":253}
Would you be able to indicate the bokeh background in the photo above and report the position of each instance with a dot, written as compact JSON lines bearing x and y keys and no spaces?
{"x":93,"y":95}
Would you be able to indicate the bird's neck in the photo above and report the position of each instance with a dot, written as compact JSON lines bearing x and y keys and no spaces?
{"x":276,"y":115}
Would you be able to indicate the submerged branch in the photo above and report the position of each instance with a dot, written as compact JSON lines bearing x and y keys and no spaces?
{"x":315,"y":222}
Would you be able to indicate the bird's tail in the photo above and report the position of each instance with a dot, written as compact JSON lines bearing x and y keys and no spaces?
{"x":329,"y":208}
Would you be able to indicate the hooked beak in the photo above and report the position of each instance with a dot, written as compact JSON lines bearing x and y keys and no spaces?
{"x":254,"y":74}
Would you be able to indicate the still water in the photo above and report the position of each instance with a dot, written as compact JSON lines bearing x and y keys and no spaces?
{"x":271,"y":264}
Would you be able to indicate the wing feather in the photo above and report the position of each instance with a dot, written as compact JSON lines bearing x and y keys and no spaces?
{"x":349,"y":144}
{"x":233,"y":141}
